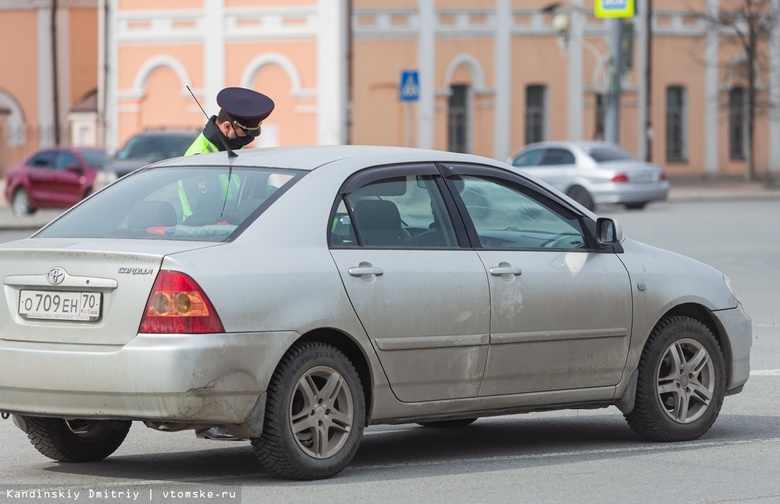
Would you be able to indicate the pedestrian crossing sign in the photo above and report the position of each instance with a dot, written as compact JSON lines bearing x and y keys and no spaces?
{"x":409,"y":88}
{"x":613,"y":8}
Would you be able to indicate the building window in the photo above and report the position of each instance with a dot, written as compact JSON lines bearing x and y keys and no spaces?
{"x":535,"y":107}
{"x":676,"y":118}
{"x":737,"y":122}
{"x":457,"y":138}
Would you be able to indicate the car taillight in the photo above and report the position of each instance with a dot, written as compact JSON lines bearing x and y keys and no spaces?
{"x":620,"y":177}
{"x":663,"y":176}
{"x":177,"y":304}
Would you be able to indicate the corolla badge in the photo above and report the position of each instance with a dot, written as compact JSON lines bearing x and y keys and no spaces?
{"x":56,"y":275}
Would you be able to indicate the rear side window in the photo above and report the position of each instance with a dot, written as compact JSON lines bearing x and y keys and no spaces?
{"x":182,"y":203}
{"x":557,"y":157}
{"x":397,"y":212}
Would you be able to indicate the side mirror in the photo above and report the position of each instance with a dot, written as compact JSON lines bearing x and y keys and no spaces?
{"x":608,"y":232}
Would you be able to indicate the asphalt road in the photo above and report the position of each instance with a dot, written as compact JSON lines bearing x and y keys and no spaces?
{"x":560,"y":457}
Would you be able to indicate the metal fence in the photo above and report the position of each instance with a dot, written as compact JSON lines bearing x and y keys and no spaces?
{"x":18,"y":142}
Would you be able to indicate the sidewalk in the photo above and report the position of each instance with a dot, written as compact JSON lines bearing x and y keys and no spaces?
{"x":682,"y":190}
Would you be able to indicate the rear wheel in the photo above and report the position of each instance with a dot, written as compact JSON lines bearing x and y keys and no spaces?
{"x":20,"y":203}
{"x":581,"y":196}
{"x":76,"y":440}
{"x":315,"y":413}
{"x":681,"y":383}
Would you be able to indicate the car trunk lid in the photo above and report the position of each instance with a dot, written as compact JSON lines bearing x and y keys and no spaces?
{"x":90,"y":292}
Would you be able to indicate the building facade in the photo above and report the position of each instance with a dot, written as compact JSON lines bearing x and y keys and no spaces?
{"x":491,"y":75}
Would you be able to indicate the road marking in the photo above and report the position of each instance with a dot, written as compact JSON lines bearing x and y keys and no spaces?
{"x":765,"y":372}
{"x":573,"y":453}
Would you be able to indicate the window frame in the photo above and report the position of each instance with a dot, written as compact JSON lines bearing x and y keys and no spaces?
{"x":676,"y":124}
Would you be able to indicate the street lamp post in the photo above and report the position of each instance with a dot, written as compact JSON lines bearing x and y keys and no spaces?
{"x":612,"y":112}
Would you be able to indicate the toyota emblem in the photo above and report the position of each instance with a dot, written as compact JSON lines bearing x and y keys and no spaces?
{"x":55,"y":276}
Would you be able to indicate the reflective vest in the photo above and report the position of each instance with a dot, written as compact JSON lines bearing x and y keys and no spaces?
{"x":201,"y":145}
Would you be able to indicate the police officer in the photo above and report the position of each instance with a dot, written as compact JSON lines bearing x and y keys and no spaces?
{"x":237,"y":124}
{"x":242,"y":112}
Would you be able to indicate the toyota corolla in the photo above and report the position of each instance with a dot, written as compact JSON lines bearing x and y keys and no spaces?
{"x":294,"y":296}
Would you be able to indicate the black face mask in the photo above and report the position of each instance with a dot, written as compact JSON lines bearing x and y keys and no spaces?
{"x":214,"y":135}
{"x":240,"y":142}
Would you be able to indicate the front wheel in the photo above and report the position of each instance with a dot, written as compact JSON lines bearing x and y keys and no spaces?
{"x":20,"y":204}
{"x":75,"y":440}
{"x":315,"y":413}
{"x":681,"y":383}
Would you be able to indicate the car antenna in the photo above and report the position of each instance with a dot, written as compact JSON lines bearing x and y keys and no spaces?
{"x":229,"y":151}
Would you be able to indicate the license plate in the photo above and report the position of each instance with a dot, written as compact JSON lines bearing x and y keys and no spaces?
{"x":644,"y":177}
{"x":58,"y":305}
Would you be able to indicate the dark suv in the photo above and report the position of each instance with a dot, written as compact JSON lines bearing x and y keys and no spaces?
{"x":148,"y":147}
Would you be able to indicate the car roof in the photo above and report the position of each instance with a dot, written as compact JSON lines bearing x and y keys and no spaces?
{"x":312,"y":157}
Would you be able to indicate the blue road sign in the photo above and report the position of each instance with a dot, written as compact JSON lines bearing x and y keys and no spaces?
{"x":409,"y":88}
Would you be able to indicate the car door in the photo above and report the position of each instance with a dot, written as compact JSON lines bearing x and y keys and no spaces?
{"x":41,"y":175}
{"x":421,"y":295}
{"x":556,"y":166}
{"x":561,"y":309}
{"x":67,"y":179}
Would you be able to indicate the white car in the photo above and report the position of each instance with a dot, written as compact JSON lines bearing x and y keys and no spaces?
{"x":594,"y":173}
{"x":296,"y":295}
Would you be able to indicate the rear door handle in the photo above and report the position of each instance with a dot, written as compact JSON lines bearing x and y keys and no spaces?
{"x":505,"y":269}
{"x":365,"y":270}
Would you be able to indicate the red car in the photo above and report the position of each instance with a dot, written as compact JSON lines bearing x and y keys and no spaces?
{"x":57,"y":177}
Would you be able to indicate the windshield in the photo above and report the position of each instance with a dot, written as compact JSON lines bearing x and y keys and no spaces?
{"x":154,"y":146}
{"x":95,"y":159}
{"x":606,"y":154}
{"x":175,"y":203}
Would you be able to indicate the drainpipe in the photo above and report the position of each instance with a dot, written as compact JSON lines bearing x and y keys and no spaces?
{"x":55,"y":79}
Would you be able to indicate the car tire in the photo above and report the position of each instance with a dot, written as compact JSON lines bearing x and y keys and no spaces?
{"x":20,"y":203}
{"x":581,"y":196}
{"x":449,"y":424}
{"x":75,"y":440}
{"x":315,"y":414}
{"x":681,"y":382}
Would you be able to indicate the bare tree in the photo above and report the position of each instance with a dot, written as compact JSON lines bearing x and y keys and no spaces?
{"x":749,"y":24}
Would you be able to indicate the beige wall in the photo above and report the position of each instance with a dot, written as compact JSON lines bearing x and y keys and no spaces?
{"x":273,"y":47}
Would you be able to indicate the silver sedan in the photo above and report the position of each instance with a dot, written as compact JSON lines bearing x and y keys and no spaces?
{"x":594,"y":173}
{"x":295,"y":295}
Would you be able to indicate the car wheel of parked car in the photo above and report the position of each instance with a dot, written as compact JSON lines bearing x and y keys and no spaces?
{"x":681,"y":383}
{"x":76,"y":440}
{"x":315,"y":413}
{"x":447,"y":424}
{"x":21,"y":203}
{"x":581,"y":196}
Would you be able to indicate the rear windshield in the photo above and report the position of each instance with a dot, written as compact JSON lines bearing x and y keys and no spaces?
{"x":606,"y":154}
{"x":181,"y":203}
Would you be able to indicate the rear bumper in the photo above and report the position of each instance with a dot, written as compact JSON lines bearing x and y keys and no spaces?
{"x":210,"y":378}
{"x":630,"y":193}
